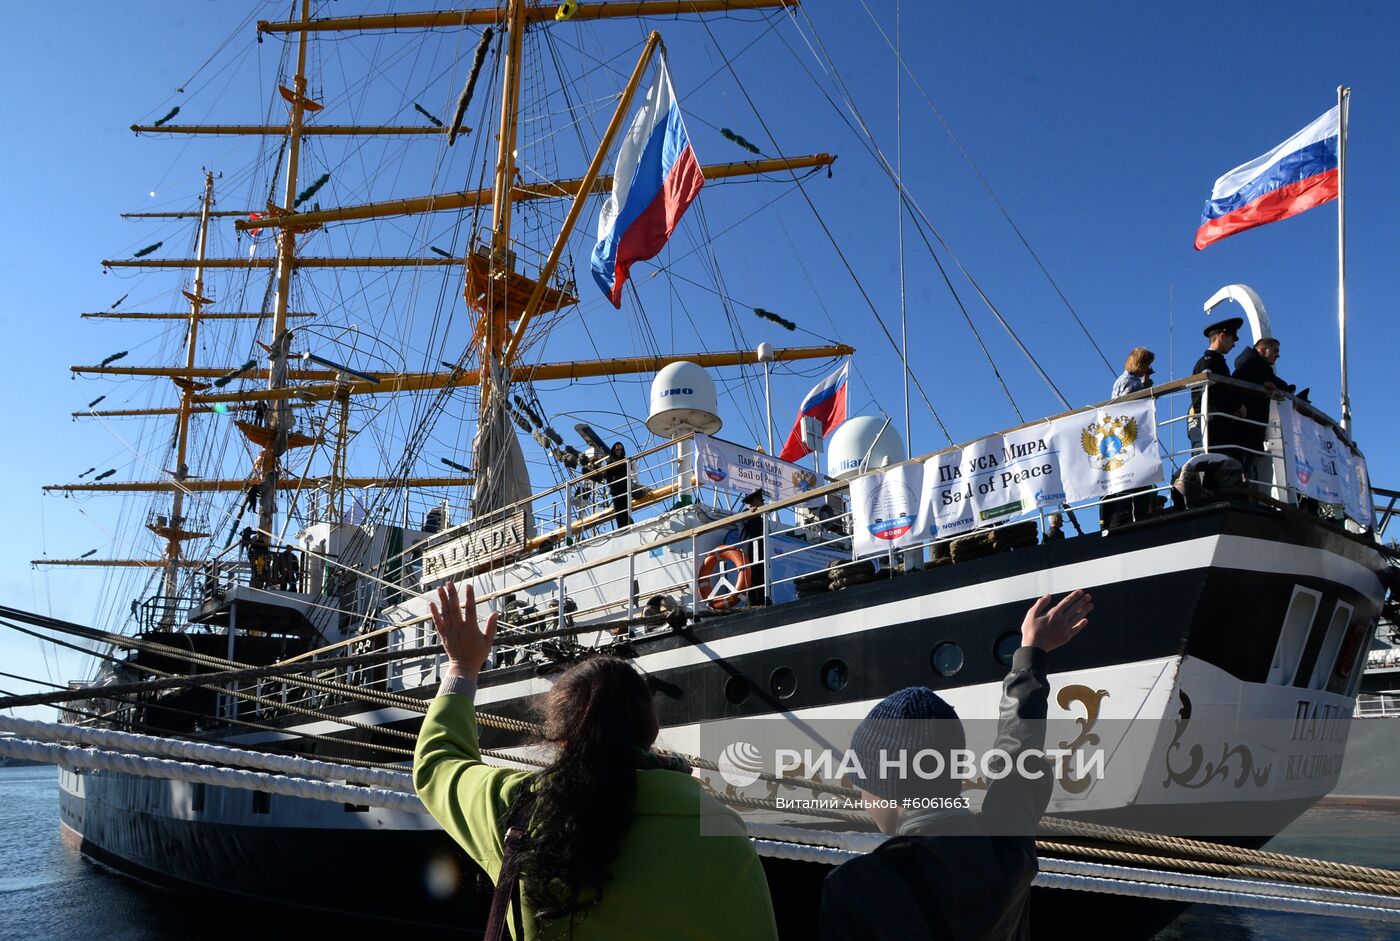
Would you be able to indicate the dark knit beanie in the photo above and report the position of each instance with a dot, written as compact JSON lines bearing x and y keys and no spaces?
{"x":899,"y":726}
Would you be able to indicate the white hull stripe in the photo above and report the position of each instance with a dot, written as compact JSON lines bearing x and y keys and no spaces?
{"x":1230,"y":552}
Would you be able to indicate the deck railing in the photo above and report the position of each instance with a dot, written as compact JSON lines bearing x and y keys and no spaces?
{"x":1377,"y":707}
{"x":789,"y":518}
{"x":800,"y":538}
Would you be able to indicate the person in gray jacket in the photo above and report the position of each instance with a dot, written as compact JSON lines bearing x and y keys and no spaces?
{"x":948,"y":873}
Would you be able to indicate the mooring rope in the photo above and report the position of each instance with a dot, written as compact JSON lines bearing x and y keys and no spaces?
{"x":1208,"y":867}
{"x":1079,"y":829}
{"x":1239,"y":897}
{"x":1261,"y":889}
{"x":1264,"y":886}
{"x":1202,"y":857}
{"x":832,"y":849}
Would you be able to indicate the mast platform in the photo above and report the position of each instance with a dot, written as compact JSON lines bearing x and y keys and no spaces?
{"x":504,"y":292}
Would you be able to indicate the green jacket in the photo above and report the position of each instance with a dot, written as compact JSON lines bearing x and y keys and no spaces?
{"x":686,"y":870}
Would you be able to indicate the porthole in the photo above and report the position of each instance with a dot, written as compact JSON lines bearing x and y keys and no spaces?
{"x":736,"y":690}
{"x":835,"y":675}
{"x":783,"y":682}
{"x":1006,"y":645}
{"x":946,"y":659}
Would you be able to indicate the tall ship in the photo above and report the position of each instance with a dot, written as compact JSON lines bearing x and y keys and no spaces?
{"x":365,"y":399}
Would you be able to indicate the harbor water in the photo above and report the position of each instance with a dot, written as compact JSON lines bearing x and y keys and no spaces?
{"x":48,"y":891}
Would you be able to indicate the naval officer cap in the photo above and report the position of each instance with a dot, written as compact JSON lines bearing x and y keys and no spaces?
{"x":1230,"y":326}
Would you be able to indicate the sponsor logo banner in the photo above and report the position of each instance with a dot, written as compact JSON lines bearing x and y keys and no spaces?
{"x":1320,"y":465}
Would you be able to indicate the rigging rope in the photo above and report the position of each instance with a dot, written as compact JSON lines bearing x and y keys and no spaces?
{"x":821,"y":222}
{"x":957,"y":142}
{"x":163,"y":707}
{"x":873,"y":149}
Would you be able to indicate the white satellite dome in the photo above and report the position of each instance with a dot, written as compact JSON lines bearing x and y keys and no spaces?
{"x":858,"y":444}
{"x":683,"y":401}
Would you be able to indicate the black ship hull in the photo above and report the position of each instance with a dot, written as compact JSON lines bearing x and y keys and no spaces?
{"x":1189,"y":607}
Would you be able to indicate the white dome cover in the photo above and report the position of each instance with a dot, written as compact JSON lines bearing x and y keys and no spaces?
{"x":682,"y":401}
{"x":858,"y":445}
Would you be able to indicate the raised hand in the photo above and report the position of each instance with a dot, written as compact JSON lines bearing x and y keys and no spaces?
{"x":1049,"y":627}
{"x":466,"y":645}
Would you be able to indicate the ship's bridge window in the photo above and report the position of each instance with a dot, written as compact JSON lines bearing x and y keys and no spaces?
{"x":1326,"y":662}
{"x":946,"y":658}
{"x":1302,"y":608}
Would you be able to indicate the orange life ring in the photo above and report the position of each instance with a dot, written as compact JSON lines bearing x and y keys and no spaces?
{"x":710,"y":584}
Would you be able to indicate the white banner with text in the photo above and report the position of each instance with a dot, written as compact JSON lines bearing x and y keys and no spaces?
{"x":1320,"y":465}
{"x":744,"y":470}
{"x":1080,"y":457}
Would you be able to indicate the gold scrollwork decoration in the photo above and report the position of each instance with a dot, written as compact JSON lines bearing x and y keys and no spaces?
{"x":1091,"y":700}
{"x":1199,"y":772}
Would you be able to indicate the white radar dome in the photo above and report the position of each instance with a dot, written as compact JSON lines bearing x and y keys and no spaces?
{"x":858,"y":444}
{"x":683,"y":401}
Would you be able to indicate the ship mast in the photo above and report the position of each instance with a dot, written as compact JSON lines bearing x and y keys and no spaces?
{"x":280,"y":415}
{"x":505,"y":299}
{"x":493,"y":290}
{"x":174,"y":532}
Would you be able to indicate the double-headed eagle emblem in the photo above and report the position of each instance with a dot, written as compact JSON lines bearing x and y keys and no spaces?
{"x":803,"y":480}
{"x":1109,"y":443}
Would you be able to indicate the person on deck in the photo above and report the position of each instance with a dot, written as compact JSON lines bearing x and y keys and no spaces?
{"x":288,"y":569}
{"x":1137,"y":373}
{"x":1223,"y":335}
{"x":948,"y":873}
{"x":1256,"y":364}
{"x":751,"y":541}
{"x":618,"y":476}
{"x":260,"y":558}
{"x":618,"y":841}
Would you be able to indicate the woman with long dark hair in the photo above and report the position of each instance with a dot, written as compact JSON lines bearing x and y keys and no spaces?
{"x":614,"y":841}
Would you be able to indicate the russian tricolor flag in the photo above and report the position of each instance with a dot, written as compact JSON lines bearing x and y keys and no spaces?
{"x":1294,"y":177}
{"x":656,"y":178}
{"x":826,"y":401}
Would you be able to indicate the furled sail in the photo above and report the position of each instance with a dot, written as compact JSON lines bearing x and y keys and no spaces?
{"x":501,"y":476}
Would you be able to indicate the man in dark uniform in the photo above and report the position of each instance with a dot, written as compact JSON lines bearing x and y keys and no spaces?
{"x":1223,"y":336}
{"x":1256,"y":364}
{"x":751,"y":541}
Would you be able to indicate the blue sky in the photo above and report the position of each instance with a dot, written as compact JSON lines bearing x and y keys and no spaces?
{"x":1100,"y":126}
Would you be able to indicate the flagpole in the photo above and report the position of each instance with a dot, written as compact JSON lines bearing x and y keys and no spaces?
{"x":1343,"y":104}
{"x":899,"y":204}
{"x":764,"y":355}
